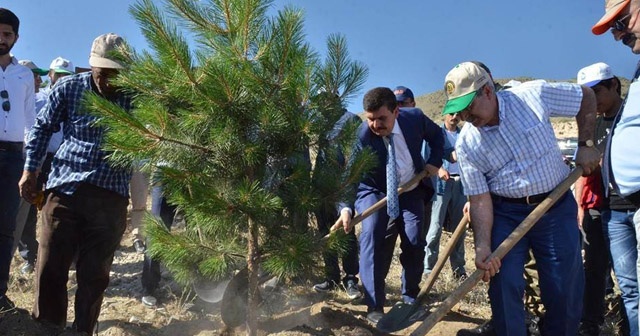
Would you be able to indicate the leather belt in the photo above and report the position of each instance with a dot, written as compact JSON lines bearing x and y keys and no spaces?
{"x":634,"y":198}
{"x":10,"y":146}
{"x":530,"y":200}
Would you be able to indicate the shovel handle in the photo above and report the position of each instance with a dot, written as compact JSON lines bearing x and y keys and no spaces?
{"x":500,"y":252}
{"x":381,"y":203}
{"x":444,"y":255}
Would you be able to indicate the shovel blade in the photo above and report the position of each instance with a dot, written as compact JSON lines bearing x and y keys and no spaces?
{"x":401,"y":316}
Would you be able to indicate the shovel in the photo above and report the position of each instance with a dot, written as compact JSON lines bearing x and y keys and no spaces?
{"x":500,"y":252}
{"x":234,"y":300}
{"x":403,"y":315}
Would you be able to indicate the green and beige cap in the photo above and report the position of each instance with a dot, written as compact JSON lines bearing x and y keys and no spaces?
{"x":461,"y":85}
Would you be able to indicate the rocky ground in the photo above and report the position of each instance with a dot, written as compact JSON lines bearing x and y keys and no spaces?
{"x":287,"y":309}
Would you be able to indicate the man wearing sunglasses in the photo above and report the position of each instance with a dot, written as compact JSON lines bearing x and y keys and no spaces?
{"x":621,"y":161}
{"x":17,"y":113}
{"x":86,"y":197}
{"x":510,"y":162}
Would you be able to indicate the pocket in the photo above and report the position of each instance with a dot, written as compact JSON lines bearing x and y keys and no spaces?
{"x":540,"y":141}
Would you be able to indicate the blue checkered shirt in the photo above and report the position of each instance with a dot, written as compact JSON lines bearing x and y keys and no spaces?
{"x":80,"y":157}
{"x":520,"y":156}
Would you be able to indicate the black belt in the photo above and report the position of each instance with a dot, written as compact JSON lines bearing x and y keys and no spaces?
{"x":10,"y":146}
{"x":530,"y":200}
{"x":454,"y":175}
{"x":634,"y":198}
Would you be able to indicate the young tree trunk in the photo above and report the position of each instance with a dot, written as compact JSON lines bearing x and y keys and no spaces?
{"x":252,"y":266}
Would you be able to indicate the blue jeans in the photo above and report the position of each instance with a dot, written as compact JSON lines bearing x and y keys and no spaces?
{"x":555,"y":242}
{"x":11,"y":165}
{"x":620,"y":236}
{"x":452,"y":202}
{"x":151,"y":274}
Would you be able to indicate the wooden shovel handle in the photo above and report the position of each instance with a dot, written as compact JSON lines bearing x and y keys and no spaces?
{"x":500,"y":252}
{"x":442,"y":259}
{"x":381,"y":203}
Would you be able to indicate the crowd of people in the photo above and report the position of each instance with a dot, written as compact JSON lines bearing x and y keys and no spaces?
{"x":498,"y":167}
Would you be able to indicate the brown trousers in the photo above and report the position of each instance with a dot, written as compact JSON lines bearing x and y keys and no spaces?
{"x":90,"y":223}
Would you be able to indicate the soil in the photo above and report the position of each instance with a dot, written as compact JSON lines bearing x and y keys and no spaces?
{"x":287,"y":309}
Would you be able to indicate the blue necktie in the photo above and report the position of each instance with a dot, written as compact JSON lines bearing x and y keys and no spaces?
{"x":393,"y":206}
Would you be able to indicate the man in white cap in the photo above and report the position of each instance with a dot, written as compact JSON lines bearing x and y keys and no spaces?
{"x":618,"y":240}
{"x":59,"y":68}
{"x":621,"y":161}
{"x":86,"y":197}
{"x":510,"y":162}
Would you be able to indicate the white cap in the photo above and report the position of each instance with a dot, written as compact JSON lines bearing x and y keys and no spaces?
{"x":104,"y":52}
{"x":594,"y":74}
{"x":62,"y":65}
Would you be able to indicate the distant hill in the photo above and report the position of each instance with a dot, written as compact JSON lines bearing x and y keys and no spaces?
{"x":432,"y":104}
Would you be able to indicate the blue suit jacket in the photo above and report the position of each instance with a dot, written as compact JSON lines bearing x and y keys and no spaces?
{"x":416,"y":128}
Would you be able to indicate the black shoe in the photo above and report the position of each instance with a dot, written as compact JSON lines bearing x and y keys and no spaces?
{"x":352,"y":290}
{"x":324,"y":287}
{"x":375,"y":316}
{"x":588,"y":329}
{"x":139,"y":246}
{"x":483,"y":330}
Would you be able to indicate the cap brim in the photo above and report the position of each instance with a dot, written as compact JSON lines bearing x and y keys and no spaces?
{"x":62,"y":71}
{"x":604,"y":24}
{"x":105,"y":63}
{"x":592,"y":83}
{"x":456,"y":105}
{"x":40,"y":72}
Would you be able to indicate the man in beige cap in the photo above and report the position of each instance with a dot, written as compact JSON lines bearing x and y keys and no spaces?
{"x":621,"y":161}
{"x":86,"y":197}
{"x":510,"y":162}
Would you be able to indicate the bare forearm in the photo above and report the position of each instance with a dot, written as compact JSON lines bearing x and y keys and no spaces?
{"x":481,"y":211}
{"x":586,"y":117}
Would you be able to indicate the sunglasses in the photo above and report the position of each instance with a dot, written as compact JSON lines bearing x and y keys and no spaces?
{"x":620,"y":24}
{"x":6,"y":105}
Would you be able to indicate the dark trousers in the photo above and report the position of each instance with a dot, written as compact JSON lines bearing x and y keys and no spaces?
{"x":326,"y":218}
{"x":11,"y":165}
{"x":374,"y":253}
{"x":28,"y":242}
{"x":596,"y":268}
{"x":89,"y":223}
{"x":151,"y":268}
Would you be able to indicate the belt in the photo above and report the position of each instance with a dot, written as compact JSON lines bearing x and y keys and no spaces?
{"x":634,"y":198}
{"x":530,"y":200}
{"x":10,"y":146}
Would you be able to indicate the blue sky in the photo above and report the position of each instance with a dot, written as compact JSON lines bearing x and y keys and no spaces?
{"x":411,"y":42}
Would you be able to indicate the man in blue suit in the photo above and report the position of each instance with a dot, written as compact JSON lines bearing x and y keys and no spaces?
{"x":396,"y":139}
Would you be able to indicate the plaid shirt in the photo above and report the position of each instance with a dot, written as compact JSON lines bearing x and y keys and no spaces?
{"x":80,"y":157}
{"x":520,"y":156}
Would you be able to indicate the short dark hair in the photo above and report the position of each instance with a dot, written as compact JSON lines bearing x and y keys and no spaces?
{"x":7,"y":17}
{"x":375,"y":98}
{"x":608,"y":82}
{"x":482,"y":65}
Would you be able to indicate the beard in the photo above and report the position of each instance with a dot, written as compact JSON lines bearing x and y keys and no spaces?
{"x":5,"y":48}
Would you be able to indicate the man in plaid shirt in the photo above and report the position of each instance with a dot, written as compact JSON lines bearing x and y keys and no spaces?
{"x":86,"y":198}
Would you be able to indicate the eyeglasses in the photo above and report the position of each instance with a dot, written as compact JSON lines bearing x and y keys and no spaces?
{"x":468,"y":108}
{"x":619,"y":24}
{"x":6,"y":105}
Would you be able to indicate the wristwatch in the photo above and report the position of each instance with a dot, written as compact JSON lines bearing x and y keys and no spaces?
{"x":587,"y":143}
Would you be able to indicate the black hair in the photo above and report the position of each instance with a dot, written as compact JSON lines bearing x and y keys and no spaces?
{"x":375,"y":98}
{"x":7,"y":17}
{"x":608,"y":82}
{"x":482,"y":65}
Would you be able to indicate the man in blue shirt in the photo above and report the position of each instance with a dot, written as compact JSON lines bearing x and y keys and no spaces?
{"x":86,"y":198}
{"x":621,"y":161}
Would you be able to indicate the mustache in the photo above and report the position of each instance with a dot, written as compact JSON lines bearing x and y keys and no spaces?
{"x":628,"y":38}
